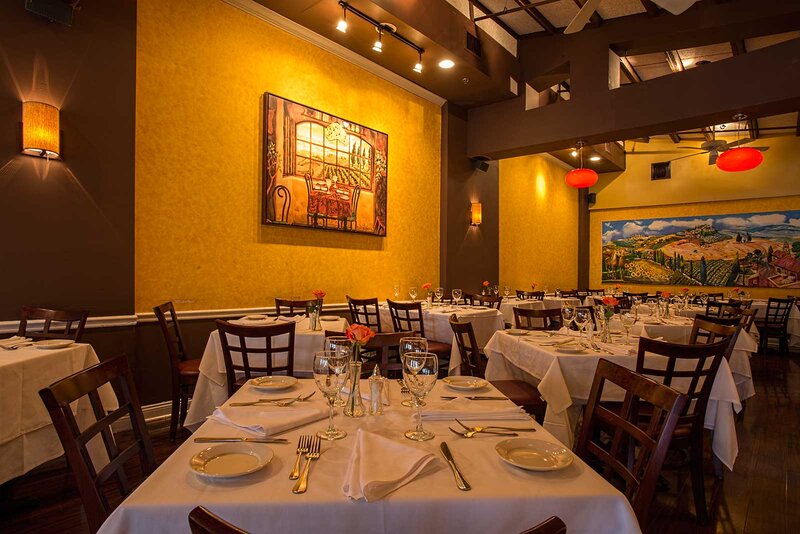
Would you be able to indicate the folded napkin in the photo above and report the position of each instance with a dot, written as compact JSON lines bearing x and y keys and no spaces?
{"x":254,"y":322}
{"x":14,"y":340}
{"x":466,"y":409}
{"x":295,"y":319}
{"x":268,"y":420}
{"x":371,"y":477}
{"x":366,"y":394}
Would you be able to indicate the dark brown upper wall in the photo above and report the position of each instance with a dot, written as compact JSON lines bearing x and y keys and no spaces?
{"x":68,"y":226}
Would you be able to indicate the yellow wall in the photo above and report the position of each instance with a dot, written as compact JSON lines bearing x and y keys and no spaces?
{"x":538,"y":225}
{"x":202,"y":68}
{"x":694,"y":189}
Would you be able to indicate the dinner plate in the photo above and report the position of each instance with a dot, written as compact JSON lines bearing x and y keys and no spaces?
{"x":534,"y":454}
{"x":571,"y":348}
{"x":464,"y":383}
{"x":516,"y":332}
{"x":255,"y":317}
{"x":273,"y":383}
{"x":329,"y":318}
{"x":230,"y":460}
{"x":479,"y":307}
{"x":52,"y":344}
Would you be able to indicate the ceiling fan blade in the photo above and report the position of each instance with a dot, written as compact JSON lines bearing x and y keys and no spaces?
{"x":690,"y":148}
{"x":761,"y":148}
{"x":583,"y":16}
{"x":687,"y":156}
{"x":676,"y":7}
{"x":740,"y":142}
{"x":712,"y":157}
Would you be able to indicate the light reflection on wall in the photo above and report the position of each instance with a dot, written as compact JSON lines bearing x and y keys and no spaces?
{"x":541,"y":187}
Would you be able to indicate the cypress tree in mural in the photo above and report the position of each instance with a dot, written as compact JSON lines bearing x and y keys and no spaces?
{"x":703,"y":278}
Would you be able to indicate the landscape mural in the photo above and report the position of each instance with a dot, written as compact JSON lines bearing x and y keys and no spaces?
{"x":746,"y":250}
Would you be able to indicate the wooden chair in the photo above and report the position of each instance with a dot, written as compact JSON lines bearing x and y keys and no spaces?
{"x":407,"y":317}
{"x":716,"y":308}
{"x":637,"y":465}
{"x":713,"y":329}
{"x":570,"y":294}
{"x":491,"y":302}
{"x":693,"y":368}
{"x":268,"y":335}
{"x":552,"y":525}
{"x":57,"y":399}
{"x":774,"y":324}
{"x":69,"y":324}
{"x":597,"y":292}
{"x":365,"y":312}
{"x":538,"y":319}
{"x":201,"y":521}
{"x":519,"y":392}
{"x":715,"y":296}
{"x":184,"y":371}
{"x":382,"y":345}
{"x":288,"y":306}
{"x":630,"y":295}
{"x":747,"y":319}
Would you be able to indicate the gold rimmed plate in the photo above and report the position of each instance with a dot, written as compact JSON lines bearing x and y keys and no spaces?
{"x":53,"y":344}
{"x":534,"y":454}
{"x":464,"y":383}
{"x":231,"y":460}
{"x":272,"y":383}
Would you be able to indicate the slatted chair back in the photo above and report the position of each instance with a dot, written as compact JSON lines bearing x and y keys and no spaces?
{"x":690,"y":369}
{"x":365,"y":312}
{"x":171,"y":329}
{"x":745,"y":304}
{"x":383,"y":344}
{"x":723,"y":309}
{"x":538,"y":319}
{"x":582,"y":294}
{"x":778,"y":311}
{"x":407,"y":317}
{"x":485,"y":300}
{"x":58,"y":324}
{"x":57,"y":399}
{"x":246,"y":343}
{"x":469,"y":298}
{"x":536,"y":295}
{"x":630,"y":295}
{"x":202,"y":521}
{"x":747,"y":318}
{"x":292,"y":307}
{"x":633,"y":454}
{"x":572,"y":293}
{"x":715,"y":329}
{"x":715,"y":296}
{"x":467,"y":347}
{"x":551,"y":525}
{"x":597,"y":292}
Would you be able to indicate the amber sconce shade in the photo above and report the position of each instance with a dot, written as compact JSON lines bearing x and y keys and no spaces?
{"x":41,"y":132}
{"x":476,"y":214}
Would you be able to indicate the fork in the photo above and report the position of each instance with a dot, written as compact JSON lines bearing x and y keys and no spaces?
{"x":275,"y":402}
{"x":470,"y":433}
{"x":484,"y":428}
{"x":302,"y":448}
{"x":283,"y":404}
{"x":312,"y":454}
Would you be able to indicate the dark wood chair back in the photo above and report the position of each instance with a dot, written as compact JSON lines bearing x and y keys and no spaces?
{"x":57,"y":399}
{"x":597,"y":292}
{"x":171,"y":329}
{"x":485,"y":300}
{"x":407,"y":316}
{"x":630,"y":295}
{"x":202,"y":521}
{"x":467,"y":346}
{"x":292,"y":307}
{"x":632,"y":453}
{"x":715,"y":296}
{"x":551,"y":525}
{"x":244,"y":337}
{"x":383,"y":344}
{"x":58,"y":324}
{"x":715,"y":329}
{"x":523,"y":295}
{"x":538,"y":319}
{"x":778,"y":310}
{"x":716,"y":308}
{"x":572,"y":293}
{"x":469,"y":298}
{"x":748,"y":318}
{"x":365,"y":312}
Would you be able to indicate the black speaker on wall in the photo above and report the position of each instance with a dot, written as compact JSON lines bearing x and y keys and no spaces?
{"x":591,"y":198}
{"x":53,"y":10}
{"x":480,"y":164}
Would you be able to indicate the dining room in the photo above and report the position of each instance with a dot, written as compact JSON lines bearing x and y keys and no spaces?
{"x":543,"y":256}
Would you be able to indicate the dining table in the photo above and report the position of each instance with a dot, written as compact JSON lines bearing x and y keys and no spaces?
{"x":503,"y":498}
{"x":211,"y":389}
{"x":564,"y":379}
{"x":547,"y":303}
{"x":27,"y":436}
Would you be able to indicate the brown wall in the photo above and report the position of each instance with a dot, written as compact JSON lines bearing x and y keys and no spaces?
{"x":469,"y":254}
{"x":68,"y":225}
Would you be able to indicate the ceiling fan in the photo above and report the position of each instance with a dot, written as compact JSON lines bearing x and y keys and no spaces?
{"x":675,"y":7}
{"x":715,"y":147}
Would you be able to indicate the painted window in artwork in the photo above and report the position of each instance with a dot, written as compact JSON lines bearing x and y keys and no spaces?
{"x":347,"y":160}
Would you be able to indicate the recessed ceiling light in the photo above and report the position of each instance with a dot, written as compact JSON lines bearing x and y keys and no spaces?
{"x":595,"y":158}
{"x":574,"y":153}
{"x":446,"y":64}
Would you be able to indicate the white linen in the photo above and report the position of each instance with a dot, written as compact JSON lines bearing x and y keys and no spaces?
{"x":503,"y":498}
{"x":212,"y":390}
{"x":27,"y":436}
{"x":508,"y":305}
{"x":370,"y":477}
{"x":13,"y":340}
{"x":463,"y":408}
{"x":264,"y":420}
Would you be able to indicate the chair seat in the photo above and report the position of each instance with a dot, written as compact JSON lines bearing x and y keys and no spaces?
{"x":439,"y":348}
{"x":189,"y":368}
{"x":519,"y":392}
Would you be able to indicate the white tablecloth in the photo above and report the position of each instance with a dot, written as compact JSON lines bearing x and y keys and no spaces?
{"x":565,"y":381}
{"x":27,"y":436}
{"x":212,"y":389}
{"x":503,"y":499}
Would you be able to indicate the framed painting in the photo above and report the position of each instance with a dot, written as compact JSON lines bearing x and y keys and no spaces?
{"x":322,"y":171}
{"x":746,"y":249}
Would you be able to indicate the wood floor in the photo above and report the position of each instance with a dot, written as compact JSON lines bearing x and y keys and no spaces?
{"x":762,"y":495}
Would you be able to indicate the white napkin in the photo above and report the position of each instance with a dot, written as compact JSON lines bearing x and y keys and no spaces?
{"x":295,"y":319}
{"x":463,"y":408}
{"x":254,"y":322}
{"x":268,"y":420}
{"x":13,"y":340}
{"x":366,"y":394}
{"x":371,"y":477}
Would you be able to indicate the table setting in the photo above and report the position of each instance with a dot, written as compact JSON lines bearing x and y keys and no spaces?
{"x":457,"y":463}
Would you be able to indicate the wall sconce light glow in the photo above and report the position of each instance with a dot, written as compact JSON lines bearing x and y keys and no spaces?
{"x":378,"y":46}
{"x":447,"y":64}
{"x":476,"y":214}
{"x":40,"y":130}
{"x":574,"y":153}
{"x":418,"y":66}
{"x":595,"y":158}
{"x":342,"y":26}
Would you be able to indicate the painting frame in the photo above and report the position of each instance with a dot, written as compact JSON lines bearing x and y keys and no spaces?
{"x":321,"y":171}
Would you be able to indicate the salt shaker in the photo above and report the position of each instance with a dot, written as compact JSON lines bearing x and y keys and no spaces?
{"x":376,"y":384}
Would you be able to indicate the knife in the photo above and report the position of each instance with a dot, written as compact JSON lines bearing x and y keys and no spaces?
{"x":477,"y":398}
{"x":236,"y":440}
{"x":462,"y":484}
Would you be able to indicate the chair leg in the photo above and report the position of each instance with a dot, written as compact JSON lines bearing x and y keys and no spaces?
{"x":698,"y":482}
{"x":173,"y":421}
{"x":184,"y":407}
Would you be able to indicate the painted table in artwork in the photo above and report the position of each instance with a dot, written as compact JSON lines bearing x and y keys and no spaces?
{"x":212,"y":389}
{"x":565,"y":380}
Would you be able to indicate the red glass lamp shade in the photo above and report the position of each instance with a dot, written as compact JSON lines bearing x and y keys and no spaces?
{"x":580,"y":178}
{"x":740,"y":159}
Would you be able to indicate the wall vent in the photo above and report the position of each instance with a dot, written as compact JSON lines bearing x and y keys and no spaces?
{"x":660,"y":170}
{"x":474,"y":44}
{"x":53,"y":10}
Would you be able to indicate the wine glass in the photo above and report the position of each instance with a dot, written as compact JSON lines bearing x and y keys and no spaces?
{"x":330,"y":373}
{"x":568,"y":313}
{"x":456,"y":296}
{"x":420,"y":370}
{"x":506,"y":291}
{"x":627,"y":322}
{"x":495,"y":290}
{"x":412,"y":344}
{"x":343,"y":346}
{"x":412,"y":292}
{"x":396,"y":291}
{"x":581,"y":317}
{"x":651,"y":303}
{"x":439,"y":293}
{"x":545,"y":289}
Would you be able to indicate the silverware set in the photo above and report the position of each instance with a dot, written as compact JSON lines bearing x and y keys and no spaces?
{"x":282,"y":401}
{"x":461,"y":482}
{"x":470,"y":431}
{"x":302,"y":448}
{"x":312,"y":454}
{"x":210,"y":439}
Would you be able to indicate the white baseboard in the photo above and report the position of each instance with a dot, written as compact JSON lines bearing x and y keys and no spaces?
{"x":153,"y":414}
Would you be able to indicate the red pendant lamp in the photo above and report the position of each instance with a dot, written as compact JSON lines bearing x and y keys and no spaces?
{"x":740,"y":158}
{"x":580,"y":178}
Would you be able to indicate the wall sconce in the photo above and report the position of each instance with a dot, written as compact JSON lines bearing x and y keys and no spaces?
{"x":41,"y":133}
{"x":476,"y":214}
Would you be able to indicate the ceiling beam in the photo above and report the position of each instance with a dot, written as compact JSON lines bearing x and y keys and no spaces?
{"x":596,"y":19}
{"x":536,"y":15}
{"x":760,"y":83}
{"x":650,"y":7}
{"x":629,"y":70}
{"x":675,"y":138}
{"x":738,"y":47}
{"x":496,"y":18}
{"x":674,"y":60}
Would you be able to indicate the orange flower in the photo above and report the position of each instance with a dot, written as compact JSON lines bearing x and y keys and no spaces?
{"x":736,"y":290}
{"x":485,"y":283}
{"x":320,"y":294}
{"x":533,"y":286}
{"x":617,"y":286}
{"x":610,"y":301}
{"x":666,"y":294}
{"x":359,"y":333}
{"x":685,"y":290}
{"x":426,"y":285}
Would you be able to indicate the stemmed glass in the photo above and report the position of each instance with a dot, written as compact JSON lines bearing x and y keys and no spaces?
{"x":412,"y":292}
{"x":651,"y":303}
{"x":627,"y":322}
{"x":396,"y":291}
{"x":456,"y":296}
{"x":330,"y":373}
{"x":506,"y":291}
{"x":412,"y":344}
{"x":342,"y":346}
{"x":495,"y":290}
{"x":581,"y":317}
{"x":568,"y":313}
{"x":420,"y":370}
{"x":439,"y":293}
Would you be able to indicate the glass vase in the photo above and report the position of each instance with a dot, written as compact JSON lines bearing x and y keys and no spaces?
{"x":355,"y":406}
{"x":605,"y":333}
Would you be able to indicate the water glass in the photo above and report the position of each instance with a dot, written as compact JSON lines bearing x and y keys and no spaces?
{"x":330,"y":374}
{"x":344,"y":347}
{"x":439,"y":293}
{"x":506,"y":291}
{"x":456,"y":296}
{"x":581,"y":318}
{"x":420,"y":370}
{"x":495,"y":290}
{"x":396,"y":291}
{"x":412,"y":292}
{"x":412,"y":344}
{"x":627,"y":322}
{"x":568,"y":313}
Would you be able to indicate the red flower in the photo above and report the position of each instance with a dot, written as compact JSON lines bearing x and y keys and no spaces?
{"x":685,"y":289}
{"x":666,"y":294}
{"x":610,"y":301}
{"x":533,"y":286}
{"x":359,"y":333}
{"x":426,"y":285}
{"x":485,"y":283}
{"x":320,"y":294}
